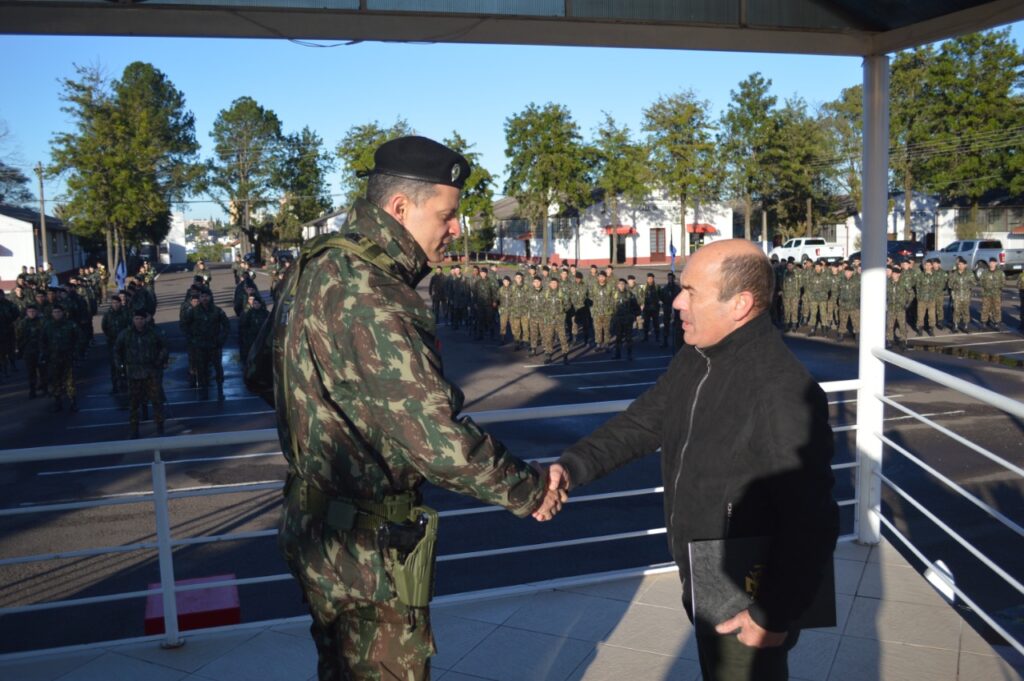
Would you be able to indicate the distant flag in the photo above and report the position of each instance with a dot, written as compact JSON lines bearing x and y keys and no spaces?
{"x":672,"y":252}
{"x":120,"y":274}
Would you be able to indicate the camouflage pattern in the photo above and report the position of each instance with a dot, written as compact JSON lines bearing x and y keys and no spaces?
{"x":112,"y":324}
{"x":457,"y":293}
{"x":817,"y":286}
{"x":834,"y":280}
{"x":364,"y":412}
{"x":650,"y":297}
{"x":553,"y":306}
{"x":928,"y":295}
{"x":437,"y":291}
{"x":9,"y":314}
{"x":486,"y":301}
{"x":624,"y":311}
{"x":206,"y":330}
{"x":249,"y":328}
{"x":29,"y":334}
{"x":941,"y":286}
{"x":601,"y":309}
{"x":791,"y":296}
{"x":848,"y":303}
{"x":519,"y":312}
{"x":57,"y":350}
{"x":991,"y":295}
{"x":577,"y":289}
{"x":535,"y":316}
{"x":897,"y":298}
{"x":143,"y":354}
{"x":961,"y":288}
{"x":505,"y":294}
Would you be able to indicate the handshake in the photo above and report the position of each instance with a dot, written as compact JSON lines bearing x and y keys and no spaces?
{"x":556,"y":480}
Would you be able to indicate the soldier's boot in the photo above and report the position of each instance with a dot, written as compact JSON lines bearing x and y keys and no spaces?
{"x":930,"y":332}
{"x":220,"y":391}
{"x":57,"y":405}
{"x":160,"y":428}
{"x":565,"y":358}
{"x":133,"y":432}
{"x":547,"y":358}
{"x":966,"y":328}
{"x":813,"y":332}
{"x":74,"y":404}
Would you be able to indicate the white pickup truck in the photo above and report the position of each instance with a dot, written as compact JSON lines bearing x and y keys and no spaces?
{"x":812,"y":247}
{"x":977,"y":252}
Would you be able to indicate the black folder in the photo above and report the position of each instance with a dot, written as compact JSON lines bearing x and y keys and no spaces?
{"x":724,"y":574}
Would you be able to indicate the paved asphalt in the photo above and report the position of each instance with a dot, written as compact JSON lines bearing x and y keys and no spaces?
{"x":492,"y":377}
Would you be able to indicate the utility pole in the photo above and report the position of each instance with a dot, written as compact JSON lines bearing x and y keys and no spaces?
{"x":42,"y":217}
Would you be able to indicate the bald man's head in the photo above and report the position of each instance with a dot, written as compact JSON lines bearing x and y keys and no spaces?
{"x":742,"y":266}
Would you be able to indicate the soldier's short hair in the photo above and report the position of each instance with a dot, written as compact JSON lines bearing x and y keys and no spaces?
{"x":456,"y":266}
{"x":537,"y":277}
{"x":140,"y":313}
{"x":381,"y":187}
{"x":593,"y":267}
{"x":631,"y":278}
{"x":579,"y":275}
{"x":505,"y":278}
{"x":57,"y":306}
{"x":993,"y":260}
{"x":519,"y":274}
{"x":602,"y":273}
{"x":32,"y":306}
{"x":114,"y":298}
{"x":651,"y":275}
{"x":960,"y":259}
{"x":747,"y":272}
{"x":671,"y":275}
{"x":621,"y":281}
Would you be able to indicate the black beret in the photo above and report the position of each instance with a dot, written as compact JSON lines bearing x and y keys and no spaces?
{"x":57,"y":306}
{"x":420,"y":158}
{"x":31,"y":306}
{"x":959,"y":259}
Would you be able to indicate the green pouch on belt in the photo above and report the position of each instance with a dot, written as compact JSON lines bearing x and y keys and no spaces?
{"x":410,"y":551}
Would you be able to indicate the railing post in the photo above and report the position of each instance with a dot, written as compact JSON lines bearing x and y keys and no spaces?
{"x":871,"y":370}
{"x":164,"y":553}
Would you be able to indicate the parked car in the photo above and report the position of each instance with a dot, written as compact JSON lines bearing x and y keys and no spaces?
{"x":812,"y":247}
{"x":899,"y":250}
{"x":977,"y":253}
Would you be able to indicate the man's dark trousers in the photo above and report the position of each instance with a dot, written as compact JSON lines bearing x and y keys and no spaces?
{"x":724,"y":658}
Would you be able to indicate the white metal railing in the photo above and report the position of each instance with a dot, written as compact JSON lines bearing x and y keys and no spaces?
{"x":160,"y":496}
{"x":874,"y":470}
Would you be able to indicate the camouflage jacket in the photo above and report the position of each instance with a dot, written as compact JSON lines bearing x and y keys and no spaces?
{"x":114,"y":322}
{"x":486,"y":292}
{"x":961,"y":284}
{"x":848,"y":293}
{"x":553,"y":305}
{"x":817,"y":286}
{"x":668,"y":295}
{"x":142,"y":354}
{"x":534,"y":308}
{"x":363,"y":408}
{"x":625,"y":306}
{"x":897,"y":296}
{"x":9,"y":314}
{"x":29,"y":335}
{"x":791,"y":284}
{"x":577,"y":294}
{"x":250,"y":325}
{"x":928,"y":287}
{"x":650,"y":297}
{"x":437,"y":286}
{"x":457,"y":290}
{"x":59,"y":341}
{"x":505,"y":294}
{"x":991,"y":282}
{"x":205,"y":326}
{"x":520,"y":299}
{"x":602,"y":298}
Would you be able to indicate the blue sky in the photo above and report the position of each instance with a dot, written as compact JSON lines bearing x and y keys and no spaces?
{"x":436,"y":88}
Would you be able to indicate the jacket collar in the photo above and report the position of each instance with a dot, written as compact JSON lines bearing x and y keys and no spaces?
{"x":383,"y":230}
{"x":754,"y":331}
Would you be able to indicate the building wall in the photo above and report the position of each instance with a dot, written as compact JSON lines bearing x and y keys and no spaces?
{"x":17,"y":248}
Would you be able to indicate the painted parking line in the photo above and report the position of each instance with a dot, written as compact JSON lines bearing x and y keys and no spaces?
{"x":180,"y":418}
{"x":171,"y":404}
{"x":618,"y":385}
{"x":968,"y":345}
{"x":147,"y":464}
{"x":598,"y":361}
{"x":170,"y":390}
{"x":604,"y":373}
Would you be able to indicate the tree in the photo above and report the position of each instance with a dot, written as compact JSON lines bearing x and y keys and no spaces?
{"x":14,"y":184}
{"x":842,"y":122}
{"x":247,"y":145}
{"x":621,"y":169}
{"x":797,"y":180}
{"x":746,"y":129}
{"x":477,"y":203}
{"x":356,"y":149}
{"x":910,"y":92}
{"x":680,"y":136}
{"x":133,"y":151}
{"x":546,"y":163}
{"x":302,"y":178}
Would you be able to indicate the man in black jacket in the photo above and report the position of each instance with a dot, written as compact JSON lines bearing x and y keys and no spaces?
{"x":759,"y":467}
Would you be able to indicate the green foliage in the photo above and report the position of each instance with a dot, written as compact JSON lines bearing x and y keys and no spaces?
{"x":476,"y":207}
{"x":744,"y":141}
{"x":302,"y":178}
{"x":547,"y":163}
{"x":14,"y":186}
{"x":247,"y":146}
{"x":355,"y":150}
{"x":794,"y":162}
{"x":208,"y":253}
{"x":842,"y":120}
{"x":622,"y":168}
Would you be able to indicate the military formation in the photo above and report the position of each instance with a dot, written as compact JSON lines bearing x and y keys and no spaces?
{"x":553,"y":310}
{"x":920,"y":296}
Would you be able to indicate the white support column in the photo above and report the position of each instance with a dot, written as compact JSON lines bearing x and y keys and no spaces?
{"x":164,"y":554}
{"x":875,"y":169}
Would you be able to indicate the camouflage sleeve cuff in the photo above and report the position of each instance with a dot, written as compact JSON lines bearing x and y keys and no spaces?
{"x":525,"y":489}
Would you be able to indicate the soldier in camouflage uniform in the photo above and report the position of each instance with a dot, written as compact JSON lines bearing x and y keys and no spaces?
{"x":553,"y":304}
{"x":835,"y":278}
{"x":625,"y":308}
{"x":961,"y":288}
{"x":519,"y":312}
{"x":115,"y":320}
{"x":9,"y":314}
{"x":29,"y":334}
{"x":436,"y":290}
{"x":566,"y":284}
{"x":365,"y":415}
{"x":897,"y":299}
{"x":250,"y":325}
{"x":848,"y":303}
{"x":505,"y":294}
{"x":928,"y":298}
{"x":457,"y":295}
{"x":650,"y":296}
{"x":791,"y":297}
{"x":57,"y":351}
{"x":991,"y":280}
{"x":671,"y":318}
{"x":142,"y":352}
{"x":535,"y":314}
{"x":816,"y":289}
{"x":581,"y":322}
{"x":206,"y":329}
{"x":602,"y":307}
{"x":486,"y":303}
{"x":941,"y":286}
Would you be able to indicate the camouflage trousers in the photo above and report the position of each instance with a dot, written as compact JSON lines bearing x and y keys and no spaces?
{"x":62,"y":378}
{"x":84,"y":336}
{"x":548,"y":333}
{"x":849,"y":315}
{"x":581,"y":324}
{"x":650,"y":318}
{"x":791,"y":310}
{"x":536,"y":335}
{"x":36,"y":378}
{"x":204,"y":357}
{"x":484,"y":319}
{"x":817,"y":313}
{"x":831,"y":313}
{"x":926,"y":313}
{"x":520,"y":328}
{"x":602,"y":331}
{"x":961,"y":311}
{"x":115,"y":371}
{"x":622,"y":329}
{"x":141,"y":391}
{"x":570,"y":324}
{"x":991,"y":309}
{"x":895,"y":319}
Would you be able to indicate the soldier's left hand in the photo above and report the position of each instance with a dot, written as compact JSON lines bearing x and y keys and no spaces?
{"x":750,"y":633}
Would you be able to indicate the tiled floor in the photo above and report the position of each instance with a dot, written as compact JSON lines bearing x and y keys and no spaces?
{"x":892,"y":627}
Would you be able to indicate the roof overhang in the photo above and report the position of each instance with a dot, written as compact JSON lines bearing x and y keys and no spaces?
{"x":827,"y":27}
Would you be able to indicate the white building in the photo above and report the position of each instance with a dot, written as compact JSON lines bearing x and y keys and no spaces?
{"x":646,"y":234}
{"x":20,"y":244}
{"x":173,"y":250}
{"x":331,"y":222}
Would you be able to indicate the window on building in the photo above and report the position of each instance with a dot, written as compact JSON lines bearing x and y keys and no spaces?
{"x":53,"y":242}
{"x":67,"y":243}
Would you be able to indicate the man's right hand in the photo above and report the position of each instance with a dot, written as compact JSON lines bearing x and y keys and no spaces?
{"x":557,"y":493}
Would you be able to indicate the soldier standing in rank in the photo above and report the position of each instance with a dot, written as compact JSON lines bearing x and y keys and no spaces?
{"x":565,"y":285}
{"x":535,"y":313}
{"x":202,"y":271}
{"x":553,"y":304}
{"x":834,"y":277}
{"x":848,"y":299}
{"x":206,"y":329}
{"x":505,"y":294}
{"x":897,"y":299}
{"x":29,"y":334}
{"x":191,"y":301}
{"x":625,"y":309}
{"x":791,"y":297}
{"x":142,"y":354}
{"x":961,"y":288}
{"x":9,"y":314}
{"x":57,"y":350}
{"x":816,"y":290}
{"x":1020,"y":299}
{"x":457,"y":295}
{"x":669,"y":316}
{"x":250,"y":325}
{"x":635,"y":290}
{"x":603,"y":307}
{"x":436,"y":290}
{"x":650,"y":298}
{"x":486,"y":304}
{"x":581,"y":324}
{"x":240,"y":294}
{"x":927,"y":300}
{"x":519,"y":312}
{"x":236,"y":269}
{"x":115,"y":320}
{"x":991,"y":280}
{"x":941,"y":286}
